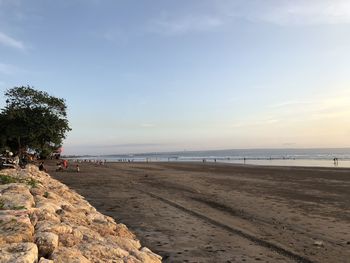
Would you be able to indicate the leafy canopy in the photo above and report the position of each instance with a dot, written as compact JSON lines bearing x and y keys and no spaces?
{"x":33,"y":119}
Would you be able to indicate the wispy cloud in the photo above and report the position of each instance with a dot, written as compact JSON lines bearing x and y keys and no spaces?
{"x":290,"y":13}
{"x":319,"y":107}
{"x":184,"y":24}
{"x":10,"y":42}
{"x":311,"y":12}
{"x":278,"y":12}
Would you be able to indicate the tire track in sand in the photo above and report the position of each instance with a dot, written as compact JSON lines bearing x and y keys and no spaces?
{"x":263,"y":243}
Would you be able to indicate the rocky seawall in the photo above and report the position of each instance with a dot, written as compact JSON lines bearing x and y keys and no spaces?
{"x":42,"y":220}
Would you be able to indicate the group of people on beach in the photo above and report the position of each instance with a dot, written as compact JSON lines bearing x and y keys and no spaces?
{"x":63,"y":165}
{"x":98,"y":162}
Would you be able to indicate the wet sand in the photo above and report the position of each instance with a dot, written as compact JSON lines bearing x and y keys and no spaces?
{"x":194,"y":212}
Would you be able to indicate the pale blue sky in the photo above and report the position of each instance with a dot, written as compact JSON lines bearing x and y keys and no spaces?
{"x":160,"y":75}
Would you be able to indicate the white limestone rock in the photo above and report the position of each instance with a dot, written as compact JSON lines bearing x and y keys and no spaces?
{"x":71,"y":255}
{"x":19,"y":253}
{"x":15,"y":227}
{"x":16,"y":196}
{"x":47,"y":243}
{"x":44,"y":260}
{"x":65,"y":227}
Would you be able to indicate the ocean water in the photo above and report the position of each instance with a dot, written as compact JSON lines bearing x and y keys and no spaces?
{"x":280,"y":157}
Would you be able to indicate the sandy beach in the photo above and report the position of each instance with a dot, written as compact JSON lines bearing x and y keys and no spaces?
{"x":195,"y":212}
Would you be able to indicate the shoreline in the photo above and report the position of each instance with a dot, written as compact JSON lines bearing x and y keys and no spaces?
{"x":228,"y":164}
{"x":313,"y":163}
{"x":183,"y":211}
{"x":314,"y":157}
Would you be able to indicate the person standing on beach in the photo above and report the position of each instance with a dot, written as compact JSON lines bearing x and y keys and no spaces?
{"x":42,"y":168}
{"x":65,"y":164}
{"x":59,"y":166}
{"x":335,"y":160}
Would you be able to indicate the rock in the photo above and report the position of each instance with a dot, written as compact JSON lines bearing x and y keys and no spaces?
{"x":47,"y":243}
{"x":16,"y":197}
{"x":122,"y":231}
{"x":45,"y":215}
{"x":131,"y":259}
{"x":15,"y":227}
{"x":43,"y":204}
{"x":39,"y":190}
{"x":150,"y":253}
{"x":64,"y":255}
{"x":61,"y":228}
{"x":64,"y":226}
{"x":74,"y":218}
{"x":33,"y":218}
{"x":146,"y":256}
{"x":318,"y":243}
{"x":69,"y":240}
{"x":126,"y":243}
{"x":44,"y":260}
{"x":89,"y":235}
{"x":103,"y":252}
{"x":19,"y":253}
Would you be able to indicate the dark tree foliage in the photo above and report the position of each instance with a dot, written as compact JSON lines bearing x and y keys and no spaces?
{"x":34,"y":120}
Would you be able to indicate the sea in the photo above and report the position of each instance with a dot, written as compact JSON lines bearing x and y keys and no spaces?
{"x":322,"y":157}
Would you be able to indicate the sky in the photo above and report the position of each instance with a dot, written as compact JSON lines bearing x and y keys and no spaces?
{"x":161,"y":75}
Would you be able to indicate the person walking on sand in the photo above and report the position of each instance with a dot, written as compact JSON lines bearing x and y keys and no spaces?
{"x":77,"y":168}
{"x":65,"y":164}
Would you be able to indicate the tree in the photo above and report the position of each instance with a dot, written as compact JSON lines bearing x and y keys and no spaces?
{"x":33,"y":119}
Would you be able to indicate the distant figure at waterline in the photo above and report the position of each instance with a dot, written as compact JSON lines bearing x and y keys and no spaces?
{"x":335,"y":161}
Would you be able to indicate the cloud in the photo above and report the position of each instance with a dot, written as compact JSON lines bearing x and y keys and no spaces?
{"x":10,"y":42}
{"x":290,"y":13}
{"x":184,"y":24}
{"x":311,"y":12}
{"x":286,"y":12}
{"x":278,"y":12}
{"x":332,"y":105}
